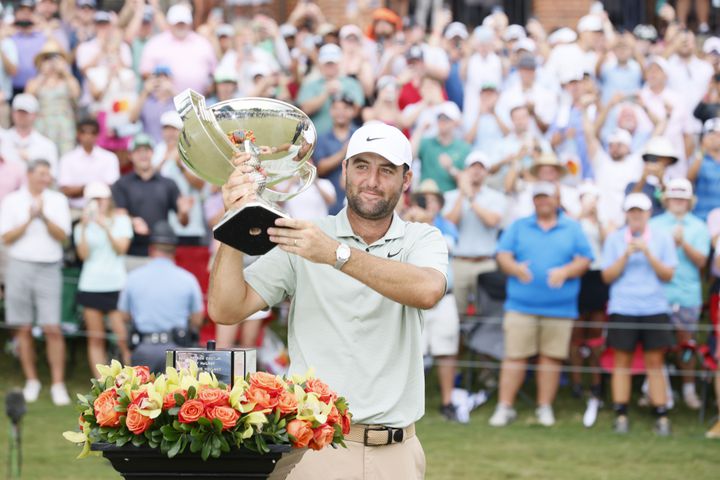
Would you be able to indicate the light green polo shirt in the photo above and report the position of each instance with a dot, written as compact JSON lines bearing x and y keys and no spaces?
{"x":367,"y":347}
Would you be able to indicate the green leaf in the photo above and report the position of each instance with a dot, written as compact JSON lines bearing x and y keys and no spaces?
{"x":204,"y":422}
{"x":217,"y":424}
{"x":196,"y":445}
{"x":122,"y":441}
{"x":207,"y":447}
{"x":138,"y":441}
{"x":179,"y":400}
{"x":174,"y":449}
{"x":224,"y":445}
{"x":120,"y":408}
{"x":191,"y":392}
{"x":174,"y":411}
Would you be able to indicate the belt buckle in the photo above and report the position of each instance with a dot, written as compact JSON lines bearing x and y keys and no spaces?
{"x":366,"y":434}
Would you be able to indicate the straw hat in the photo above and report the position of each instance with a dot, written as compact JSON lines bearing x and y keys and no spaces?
{"x":548,"y":158}
{"x":50,"y":48}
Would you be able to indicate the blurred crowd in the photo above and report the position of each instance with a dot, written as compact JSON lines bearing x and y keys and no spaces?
{"x":578,"y":168}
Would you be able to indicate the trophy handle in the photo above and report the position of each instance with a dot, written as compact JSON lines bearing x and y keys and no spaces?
{"x":307,"y":172}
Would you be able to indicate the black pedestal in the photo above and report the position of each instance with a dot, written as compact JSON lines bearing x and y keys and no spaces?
{"x":144,"y":463}
{"x":246,"y":229}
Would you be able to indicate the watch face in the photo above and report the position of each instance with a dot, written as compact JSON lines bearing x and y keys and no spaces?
{"x":343,"y":252}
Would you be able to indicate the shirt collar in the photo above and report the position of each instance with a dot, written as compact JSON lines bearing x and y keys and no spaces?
{"x":562,"y":220}
{"x":343,"y":229}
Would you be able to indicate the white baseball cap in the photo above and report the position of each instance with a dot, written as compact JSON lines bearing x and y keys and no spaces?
{"x":711,"y":125}
{"x":96,"y":190}
{"x":562,"y":35}
{"x":590,"y":23}
{"x":450,"y":110}
{"x":329,"y":53}
{"x":588,"y":188}
{"x":679,"y":188}
{"x":620,"y":136}
{"x":712,"y":45}
{"x":637,"y":200}
{"x":179,"y":14}
{"x":544,"y":188}
{"x":477,"y":156}
{"x":26,"y":103}
{"x":288,"y":30}
{"x":382,"y":139}
{"x":350,"y":30}
{"x":483,"y":34}
{"x":660,"y":62}
{"x":527,"y":44}
{"x":571,"y":73}
{"x":456,"y":29}
{"x":171,"y":118}
{"x":514,"y":32}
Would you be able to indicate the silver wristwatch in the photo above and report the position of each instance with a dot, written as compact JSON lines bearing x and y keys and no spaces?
{"x":342,"y":255}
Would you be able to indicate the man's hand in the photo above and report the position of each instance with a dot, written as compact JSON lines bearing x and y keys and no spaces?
{"x":678,"y":235}
{"x":557,"y":277}
{"x":445,"y":161}
{"x":522,"y":272}
{"x":140,"y":226}
{"x":240,"y":189}
{"x":305,"y":239}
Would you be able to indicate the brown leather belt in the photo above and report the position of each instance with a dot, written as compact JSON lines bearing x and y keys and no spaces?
{"x":378,"y":435}
{"x":482,"y":258}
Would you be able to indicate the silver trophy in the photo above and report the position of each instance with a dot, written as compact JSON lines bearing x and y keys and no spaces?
{"x":280,"y":139}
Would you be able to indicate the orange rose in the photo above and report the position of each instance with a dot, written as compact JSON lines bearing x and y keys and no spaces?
{"x":301,"y":430}
{"x":213,"y":397}
{"x":227,"y":415}
{"x":169,"y":400}
{"x":268,"y":382}
{"x":333,"y":416}
{"x":345,"y":421}
{"x":135,"y":421}
{"x":81,"y":421}
{"x":324,"y":393}
{"x":262,"y":399}
{"x":191,"y":411}
{"x":142,"y":373}
{"x":104,"y":406}
{"x":322,"y":437}
{"x":287,"y":403}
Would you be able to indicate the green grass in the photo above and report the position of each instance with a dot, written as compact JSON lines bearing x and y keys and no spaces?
{"x":475,"y":451}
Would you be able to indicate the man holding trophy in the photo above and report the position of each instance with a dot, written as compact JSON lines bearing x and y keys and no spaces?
{"x":358,"y":283}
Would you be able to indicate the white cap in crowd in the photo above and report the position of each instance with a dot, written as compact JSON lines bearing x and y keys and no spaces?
{"x":179,"y":14}
{"x":382,"y":139}
{"x":637,"y":200}
{"x":350,"y":30}
{"x":25,"y":102}
{"x":590,"y":23}
{"x":96,"y":190}
{"x":288,"y":30}
{"x":570,"y":73}
{"x":544,"y":188}
{"x":171,"y":118}
{"x":456,"y":29}
{"x":527,"y":44}
{"x":483,"y":34}
{"x":225,"y":30}
{"x":562,"y":35}
{"x":329,"y":53}
{"x":712,"y":45}
{"x":514,"y":32}
{"x":477,"y":156}
{"x":450,"y":110}
{"x":679,"y":188}
{"x":620,"y":135}
{"x":588,"y":188}
{"x":660,"y":62}
{"x":711,"y":125}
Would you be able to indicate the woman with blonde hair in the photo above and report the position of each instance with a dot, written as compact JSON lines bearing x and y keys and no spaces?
{"x":102,"y":237}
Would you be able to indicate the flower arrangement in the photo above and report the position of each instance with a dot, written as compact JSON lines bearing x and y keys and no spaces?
{"x":186,"y":408}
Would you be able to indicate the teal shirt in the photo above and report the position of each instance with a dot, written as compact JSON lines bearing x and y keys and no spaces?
{"x":104,"y":269}
{"x":685,"y":288}
{"x":429,"y":154}
{"x":313,"y":88}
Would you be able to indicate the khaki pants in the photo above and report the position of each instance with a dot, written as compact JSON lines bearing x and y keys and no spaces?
{"x":465,"y":279}
{"x":399,"y":461}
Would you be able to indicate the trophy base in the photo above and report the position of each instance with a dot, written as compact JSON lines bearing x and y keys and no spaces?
{"x":246,"y":229}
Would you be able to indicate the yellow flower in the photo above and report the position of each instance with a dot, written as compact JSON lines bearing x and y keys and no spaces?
{"x":152,"y":405}
{"x":210,"y":379}
{"x":312,"y":409}
{"x":237,"y":394}
{"x":298,"y":379}
{"x":112,"y":370}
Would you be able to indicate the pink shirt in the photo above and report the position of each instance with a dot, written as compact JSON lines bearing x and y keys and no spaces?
{"x":192,"y":60}
{"x":77,"y":167}
{"x":12,"y":177}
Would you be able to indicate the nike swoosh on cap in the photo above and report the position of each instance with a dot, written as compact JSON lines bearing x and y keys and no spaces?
{"x":372,"y":139}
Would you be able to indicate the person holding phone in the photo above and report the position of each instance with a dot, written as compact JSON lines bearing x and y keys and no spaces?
{"x":638,"y":260}
{"x":102,"y":238}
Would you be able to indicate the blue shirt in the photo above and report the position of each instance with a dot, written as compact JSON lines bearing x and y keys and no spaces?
{"x":544,"y":250}
{"x":450,"y":233}
{"x":685,"y":288}
{"x":576,"y":145}
{"x":104,"y":269}
{"x":475,"y":239}
{"x":327,"y":145}
{"x":638,"y":291}
{"x":707,"y":187}
{"x":454,"y":86}
{"x":618,"y":78}
{"x":161,"y":296}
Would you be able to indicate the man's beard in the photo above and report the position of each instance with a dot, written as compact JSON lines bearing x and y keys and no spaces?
{"x":380,"y":209}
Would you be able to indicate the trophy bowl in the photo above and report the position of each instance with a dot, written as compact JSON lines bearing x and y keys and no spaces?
{"x":280,"y":139}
